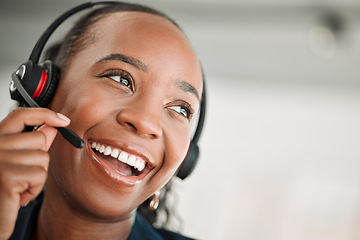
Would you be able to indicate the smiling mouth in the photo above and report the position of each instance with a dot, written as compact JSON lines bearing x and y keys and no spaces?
{"x":122,"y":162}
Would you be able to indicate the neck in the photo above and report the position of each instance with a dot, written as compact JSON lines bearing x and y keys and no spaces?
{"x":60,"y":220}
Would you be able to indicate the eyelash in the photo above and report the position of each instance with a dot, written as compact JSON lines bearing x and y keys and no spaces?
{"x":124,"y":77}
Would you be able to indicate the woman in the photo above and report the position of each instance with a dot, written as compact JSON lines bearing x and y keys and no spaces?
{"x":130,"y":83}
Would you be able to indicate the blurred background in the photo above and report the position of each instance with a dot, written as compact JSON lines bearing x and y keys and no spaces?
{"x":280,"y":154}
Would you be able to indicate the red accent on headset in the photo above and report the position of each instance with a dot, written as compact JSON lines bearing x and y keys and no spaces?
{"x":41,"y":85}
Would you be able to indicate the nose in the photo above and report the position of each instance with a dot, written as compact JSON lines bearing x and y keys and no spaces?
{"x":142,"y":117}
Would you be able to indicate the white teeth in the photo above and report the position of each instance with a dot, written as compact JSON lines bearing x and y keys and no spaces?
{"x":97,"y":147}
{"x":137,"y":163}
{"x":102,"y":149}
{"x":132,"y":160}
{"x":141,"y":166}
{"x":115,"y":153}
{"x":123,"y":157}
{"x":107,"y":151}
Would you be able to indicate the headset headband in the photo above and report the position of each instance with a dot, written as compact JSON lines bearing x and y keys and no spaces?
{"x":37,"y":50}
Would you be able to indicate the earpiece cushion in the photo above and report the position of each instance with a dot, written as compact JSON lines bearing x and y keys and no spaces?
{"x":29,"y":76}
{"x":190,"y":161}
{"x":48,"y":92}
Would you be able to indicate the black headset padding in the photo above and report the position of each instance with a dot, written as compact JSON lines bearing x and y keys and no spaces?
{"x":31,"y":79}
{"x":190,"y":162}
{"x":29,"y":75}
{"x":48,"y":92}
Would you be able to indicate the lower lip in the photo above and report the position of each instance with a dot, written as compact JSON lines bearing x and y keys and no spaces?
{"x":118,"y":178}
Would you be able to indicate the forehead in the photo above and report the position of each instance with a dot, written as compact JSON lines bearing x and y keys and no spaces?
{"x":152,"y":39}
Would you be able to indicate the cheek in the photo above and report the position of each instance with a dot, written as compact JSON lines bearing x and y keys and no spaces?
{"x":82,"y":104}
{"x":180,"y":147}
{"x":177,"y":144}
{"x":176,"y":150}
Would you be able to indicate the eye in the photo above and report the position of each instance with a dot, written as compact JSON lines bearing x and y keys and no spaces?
{"x":185,"y":110}
{"x":121,"y":77}
{"x":121,"y":80}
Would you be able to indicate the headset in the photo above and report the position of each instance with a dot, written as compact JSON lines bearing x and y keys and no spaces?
{"x":34,"y":84}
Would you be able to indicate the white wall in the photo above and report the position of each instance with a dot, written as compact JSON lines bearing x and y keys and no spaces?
{"x":278,"y":162}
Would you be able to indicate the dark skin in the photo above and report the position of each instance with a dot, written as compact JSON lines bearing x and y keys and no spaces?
{"x":145,"y":112}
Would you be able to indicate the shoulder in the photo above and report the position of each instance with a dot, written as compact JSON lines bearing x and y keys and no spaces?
{"x":144,"y":231}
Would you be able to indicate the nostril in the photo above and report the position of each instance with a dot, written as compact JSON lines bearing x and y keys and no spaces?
{"x":130,"y":125}
{"x":153,"y":136}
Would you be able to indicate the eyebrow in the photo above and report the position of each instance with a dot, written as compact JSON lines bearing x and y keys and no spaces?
{"x":185,"y":86}
{"x":126,"y":59}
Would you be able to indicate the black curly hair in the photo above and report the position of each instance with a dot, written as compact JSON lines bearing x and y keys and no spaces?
{"x":80,"y":37}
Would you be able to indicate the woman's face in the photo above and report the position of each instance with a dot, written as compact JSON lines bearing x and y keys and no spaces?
{"x":134,"y":89}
